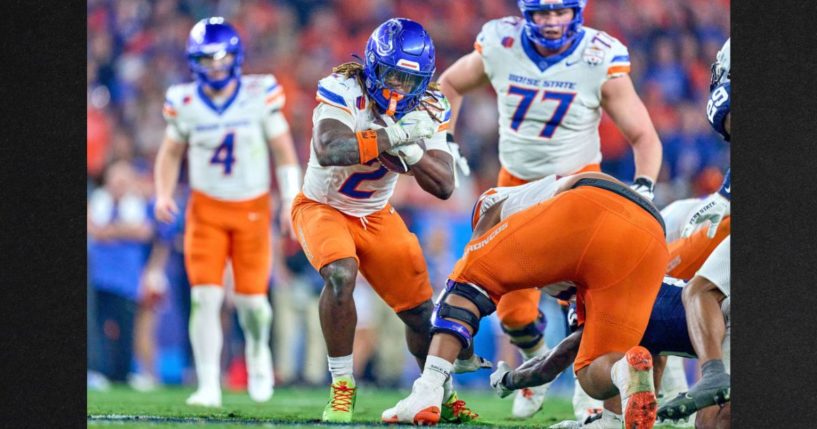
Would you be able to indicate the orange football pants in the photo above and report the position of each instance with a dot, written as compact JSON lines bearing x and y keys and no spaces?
{"x":610,"y":247}
{"x":239,"y":230}
{"x":520,"y":308}
{"x":688,"y":254}
{"x":387,"y":253}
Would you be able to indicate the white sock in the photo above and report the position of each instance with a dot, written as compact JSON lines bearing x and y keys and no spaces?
{"x":448,"y":388}
{"x":436,"y":370}
{"x":535,"y":351}
{"x":619,"y":373}
{"x":205,"y":333}
{"x":340,"y":367}
{"x":255,"y":318}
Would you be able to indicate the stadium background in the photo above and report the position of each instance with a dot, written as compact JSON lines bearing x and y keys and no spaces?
{"x":135,"y":50}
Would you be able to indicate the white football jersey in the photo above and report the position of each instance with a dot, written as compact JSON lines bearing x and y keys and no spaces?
{"x":549,"y":108}
{"x":358,"y":190}
{"x":228,"y":157}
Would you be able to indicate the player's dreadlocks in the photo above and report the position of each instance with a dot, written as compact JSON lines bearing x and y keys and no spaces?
{"x":354,"y":69}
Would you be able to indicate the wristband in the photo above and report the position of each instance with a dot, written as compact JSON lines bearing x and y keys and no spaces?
{"x":367,"y":145}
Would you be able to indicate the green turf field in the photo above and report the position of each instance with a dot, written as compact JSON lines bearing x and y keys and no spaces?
{"x":123,"y":407}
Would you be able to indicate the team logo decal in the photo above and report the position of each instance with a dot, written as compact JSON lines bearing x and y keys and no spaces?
{"x":593,"y":55}
{"x":385,"y":39}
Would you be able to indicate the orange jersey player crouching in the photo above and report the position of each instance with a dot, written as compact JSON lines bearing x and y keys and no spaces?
{"x":226,"y":124}
{"x":343,"y":220}
{"x":595,"y":238}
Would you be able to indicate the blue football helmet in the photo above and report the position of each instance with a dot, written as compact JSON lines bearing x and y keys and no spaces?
{"x":399,"y":65}
{"x":212,"y":39}
{"x":534,"y":32}
{"x":721,"y":66}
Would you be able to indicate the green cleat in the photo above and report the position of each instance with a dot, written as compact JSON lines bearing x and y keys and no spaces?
{"x":341,"y":401}
{"x":455,"y":411}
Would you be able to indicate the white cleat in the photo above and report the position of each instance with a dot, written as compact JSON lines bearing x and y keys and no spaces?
{"x":528,"y":401}
{"x":205,"y":398}
{"x":259,"y":386}
{"x":259,"y":375}
{"x":421,"y":407}
{"x":605,"y":420}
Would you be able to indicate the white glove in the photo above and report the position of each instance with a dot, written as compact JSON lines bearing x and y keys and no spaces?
{"x":459,"y":162}
{"x":644,"y":186}
{"x":566,"y":424}
{"x":470,"y":365}
{"x":410,"y":153}
{"x":502,"y":368}
{"x":713,"y":209}
{"x":414,"y":126}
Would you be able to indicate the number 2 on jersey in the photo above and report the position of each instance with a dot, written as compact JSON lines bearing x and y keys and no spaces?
{"x":224,"y":154}
{"x":565,"y":99}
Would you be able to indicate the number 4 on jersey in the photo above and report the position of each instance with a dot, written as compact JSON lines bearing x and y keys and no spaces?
{"x":224,"y":154}
{"x":565,"y":99}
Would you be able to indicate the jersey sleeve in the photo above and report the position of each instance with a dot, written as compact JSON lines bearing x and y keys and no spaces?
{"x":490,"y":39}
{"x":275,"y":123}
{"x":335,"y":100}
{"x":441,"y":110}
{"x":175,"y":129}
{"x":617,"y":59}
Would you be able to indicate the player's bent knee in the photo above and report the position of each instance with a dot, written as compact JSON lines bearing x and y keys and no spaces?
{"x":528,"y":335}
{"x":340,"y":277}
{"x":460,"y":322}
{"x":418,"y":319}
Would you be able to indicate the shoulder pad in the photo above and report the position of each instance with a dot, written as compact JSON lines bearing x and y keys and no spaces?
{"x":338,"y":90}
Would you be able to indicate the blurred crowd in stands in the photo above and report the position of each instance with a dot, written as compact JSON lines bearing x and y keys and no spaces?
{"x":138,"y":307}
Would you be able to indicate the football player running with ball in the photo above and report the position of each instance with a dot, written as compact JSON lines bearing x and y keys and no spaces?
{"x":381,"y":113}
{"x":553,"y":78}
{"x":226,"y":124}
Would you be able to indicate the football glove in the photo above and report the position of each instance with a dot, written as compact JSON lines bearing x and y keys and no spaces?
{"x":414,"y":126}
{"x":497,"y":378}
{"x":460,"y":162}
{"x":410,"y":153}
{"x":713,"y":209}
{"x":644,"y":186}
{"x":470,"y":365}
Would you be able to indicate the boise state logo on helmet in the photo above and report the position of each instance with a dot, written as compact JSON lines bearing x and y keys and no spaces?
{"x":534,"y":31}
{"x":211,"y":40}
{"x":398,"y":65}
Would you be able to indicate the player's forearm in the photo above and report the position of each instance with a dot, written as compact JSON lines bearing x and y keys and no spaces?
{"x":546,"y":368}
{"x":340,"y":147}
{"x":648,"y":154}
{"x":168,"y":164}
{"x":435,"y":175}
